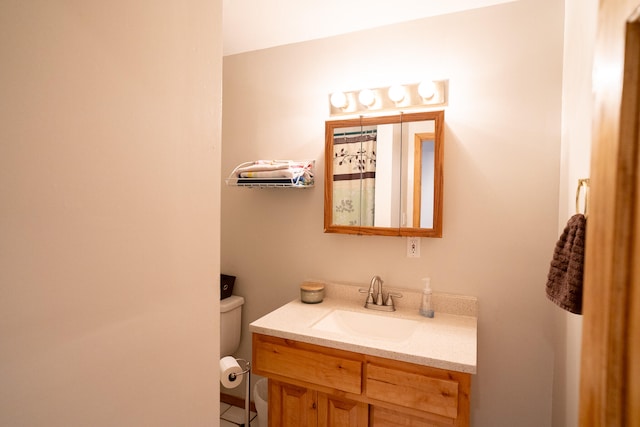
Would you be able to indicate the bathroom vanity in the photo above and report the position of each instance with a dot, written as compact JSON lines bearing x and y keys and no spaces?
{"x":337,"y":364}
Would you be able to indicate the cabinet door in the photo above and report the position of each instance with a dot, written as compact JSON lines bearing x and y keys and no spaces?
{"x":337,"y":412}
{"x":291,"y":406}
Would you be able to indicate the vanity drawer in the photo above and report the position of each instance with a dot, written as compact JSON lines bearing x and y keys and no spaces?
{"x":417,"y":389}
{"x":307,"y":363}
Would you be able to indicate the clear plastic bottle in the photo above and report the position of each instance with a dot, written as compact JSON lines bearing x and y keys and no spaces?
{"x":426,"y":307}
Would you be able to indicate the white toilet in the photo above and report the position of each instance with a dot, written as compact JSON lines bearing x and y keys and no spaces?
{"x":230,"y":328}
{"x":230,"y":324}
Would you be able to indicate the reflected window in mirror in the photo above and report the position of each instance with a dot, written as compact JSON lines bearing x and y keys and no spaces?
{"x":384,"y":175}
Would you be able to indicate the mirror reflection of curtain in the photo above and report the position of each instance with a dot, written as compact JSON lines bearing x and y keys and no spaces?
{"x":354,"y":173}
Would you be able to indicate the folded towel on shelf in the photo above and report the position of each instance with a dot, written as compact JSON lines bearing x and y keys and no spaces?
{"x":263,"y":165}
{"x":565,"y":278}
{"x":274,"y":172}
{"x":257,"y":181}
{"x":281,"y":173}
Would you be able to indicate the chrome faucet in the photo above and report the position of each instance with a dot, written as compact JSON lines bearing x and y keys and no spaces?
{"x":375,"y":297}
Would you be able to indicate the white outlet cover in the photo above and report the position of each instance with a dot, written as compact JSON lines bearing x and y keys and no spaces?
{"x":413,"y":247}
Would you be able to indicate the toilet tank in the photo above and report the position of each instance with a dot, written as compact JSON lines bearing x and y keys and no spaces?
{"x":230,"y":324}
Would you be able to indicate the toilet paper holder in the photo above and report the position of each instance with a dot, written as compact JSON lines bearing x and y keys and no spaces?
{"x":246,"y":369}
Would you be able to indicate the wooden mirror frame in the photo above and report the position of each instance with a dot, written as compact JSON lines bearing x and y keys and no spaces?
{"x":438,"y":176}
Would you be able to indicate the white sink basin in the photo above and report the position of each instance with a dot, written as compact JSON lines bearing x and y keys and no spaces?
{"x":367,"y":325}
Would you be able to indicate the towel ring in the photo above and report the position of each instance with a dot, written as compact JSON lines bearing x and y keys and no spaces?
{"x":583,"y":182}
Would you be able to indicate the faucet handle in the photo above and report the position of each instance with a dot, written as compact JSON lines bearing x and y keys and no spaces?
{"x":370,"y":299}
{"x":390,"y":296}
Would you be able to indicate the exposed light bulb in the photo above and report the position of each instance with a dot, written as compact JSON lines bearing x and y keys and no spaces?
{"x":427,"y":89}
{"x":367,"y":97}
{"x":396,"y":93}
{"x":339,"y":100}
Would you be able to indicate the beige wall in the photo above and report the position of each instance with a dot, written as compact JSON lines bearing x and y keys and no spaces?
{"x":502,"y":166}
{"x":580,"y":29}
{"x":109,"y":221}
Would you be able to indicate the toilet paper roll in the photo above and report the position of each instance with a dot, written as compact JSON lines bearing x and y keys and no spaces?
{"x":230,"y":372}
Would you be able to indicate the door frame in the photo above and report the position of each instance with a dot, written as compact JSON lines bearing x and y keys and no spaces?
{"x":609,"y":379}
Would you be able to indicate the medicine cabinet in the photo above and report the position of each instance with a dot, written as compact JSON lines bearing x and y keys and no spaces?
{"x":384,"y":175}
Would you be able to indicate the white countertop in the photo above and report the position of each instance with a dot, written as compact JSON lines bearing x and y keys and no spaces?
{"x":447,"y":341}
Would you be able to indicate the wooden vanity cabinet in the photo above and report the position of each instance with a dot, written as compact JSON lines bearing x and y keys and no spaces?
{"x":311,"y":385}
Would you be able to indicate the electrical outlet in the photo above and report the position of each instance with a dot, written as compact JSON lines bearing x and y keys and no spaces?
{"x":413,"y":247}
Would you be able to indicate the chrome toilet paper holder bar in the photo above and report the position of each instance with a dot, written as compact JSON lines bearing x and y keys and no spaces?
{"x":246,"y":369}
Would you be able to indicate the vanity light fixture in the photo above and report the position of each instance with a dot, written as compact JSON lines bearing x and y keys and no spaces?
{"x":426,"y":95}
{"x":339,"y":100}
{"x":367,"y":97}
{"x":427,"y":89}
{"x":396,"y":93}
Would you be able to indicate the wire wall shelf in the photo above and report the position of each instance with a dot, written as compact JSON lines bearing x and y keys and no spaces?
{"x":273,"y":174}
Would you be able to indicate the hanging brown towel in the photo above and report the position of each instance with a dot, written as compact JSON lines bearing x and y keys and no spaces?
{"x":564,"y":285}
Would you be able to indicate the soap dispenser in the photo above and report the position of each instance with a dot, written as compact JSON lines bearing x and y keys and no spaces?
{"x":426,"y":308}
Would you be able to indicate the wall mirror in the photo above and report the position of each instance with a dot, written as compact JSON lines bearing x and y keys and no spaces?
{"x":384,"y":175}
